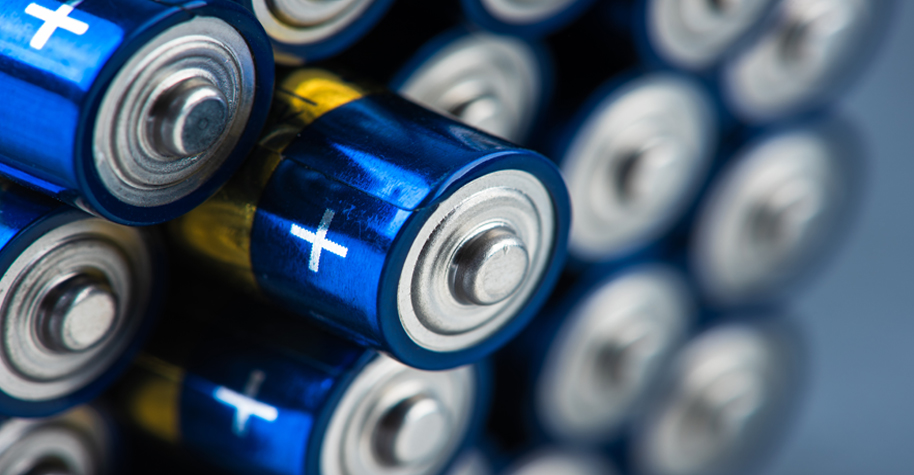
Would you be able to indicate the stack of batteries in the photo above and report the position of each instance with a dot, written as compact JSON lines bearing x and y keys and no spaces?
{"x":297,"y":237}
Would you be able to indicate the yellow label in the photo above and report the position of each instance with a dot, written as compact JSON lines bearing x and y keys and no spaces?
{"x":219,"y":230}
{"x":153,"y":402}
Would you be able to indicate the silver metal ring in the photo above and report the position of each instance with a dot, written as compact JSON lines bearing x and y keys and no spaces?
{"x":635,"y":163}
{"x":693,"y":34}
{"x":609,"y":351}
{"x":766,"y":215}
{"x":174,"y":113}
{"x":800,"y":55}
{"x":432,"y":313}
{"x":553,"y":461}
{"x":302,"y":22}
{"x":524,"y":12}
{"x":397,"y":420}
{"x":76,"y":442}
{"x":487,"y":81}
{"x":727,"y":387}
{"x":37,"y":283}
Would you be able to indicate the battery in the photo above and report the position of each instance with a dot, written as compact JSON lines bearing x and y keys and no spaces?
{"x":77,"y":293}
{"x":499,"y":84}
{"x":392,"y":225}
{"x":549,"y":460}
{"x":76,"y":442}
{"x":774,"y":212}
{"x":690,"y":35}
{"x":728,"y":401}
{"x":805,"y":55}
{"x":135,"y":110}
{"x":310,"y":30}
{"x":472,"y":461}
{"x":271,"y":398}
{"x":580,"y":372}
{"x":523,"y":17}
{"x":634,"y":157}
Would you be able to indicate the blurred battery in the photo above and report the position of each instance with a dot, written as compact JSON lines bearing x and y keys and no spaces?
{"x":396,"y":227}
{"x":269,"y":398}
{"x":472,"y":461}
{"x":805,"y":55}
{"x":499,"y":84}
{"x":691,"y":35}
{"x":728,"y":400}
{"x":549,"y":460}
{"x":78,"y":442}
{"x":134,"y":110}
{"x":580,"y":372}
{"x":524,"y":17}
{"x":77,"y":293}
{"x":773,"y":212}
{"x":634,"y":158}
{"x":310,"y":30}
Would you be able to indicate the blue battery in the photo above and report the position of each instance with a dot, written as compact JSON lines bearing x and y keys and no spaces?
{"x":583,"y":368}
{"x":394,"y":226}
{"x":522,"y":18}
{"x":774,"y":210}
{"x":133,"y":110}
{"x":279,"y":399}
{"x":78,"y":295}
{"x":307,"y":31}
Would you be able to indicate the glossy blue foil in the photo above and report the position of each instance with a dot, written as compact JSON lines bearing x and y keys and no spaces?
{"x":370,"y":197}
{"x":477,"y":13}
{"x":51,"y":95}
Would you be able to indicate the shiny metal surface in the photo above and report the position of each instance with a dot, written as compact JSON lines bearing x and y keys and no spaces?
{"x":514,"y":204}
{"x":489,"y":267}
{"x":70,"y":304}
{"x":554,"y":461}
{"x":728,"y":389}
{"x":610,"y":351}
{"x":694,"y":34}
{"x":471,"y":462}
{"x":768,"y":214}
{"x":800,"y":57}
{"x":488,"y":81}
{"x":174,"y":112}
{"x":394,"y":419}
{"x":524,"y":11}
{"x":75,"y":443}
{"x":635,"y":163}
{"x":307,"y":21}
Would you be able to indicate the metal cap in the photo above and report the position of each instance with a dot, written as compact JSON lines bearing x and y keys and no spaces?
{"x":189,"y":118}
{"x":525,"y":12}
{"x":562,"y":461}
{"x":74,"y":443}
{"x":306,"y":22}
{"x":490,"y":82}
{"x":79,"y":313}
{"x":609,"y":351}
{"x":396,"y":420}
{"x":489,"y":267}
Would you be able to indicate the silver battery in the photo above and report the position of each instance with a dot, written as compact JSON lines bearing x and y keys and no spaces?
{"x":477,"y":260}
{"x":773,"y":212}
{"x":71,"y":304}
{"x":174,"y":112}
{"x":807,"y":50}
{"x":397,"y":420}
{"x":525,"y":12}
{"x":564,"y":461}
{"x":491,"y":82}
{"x":609,"y":352}
{"x":75,"y":443}
{"x":636,"y":162}
{"x":729,"y":395}
{"x":471,"y":462}
{"x":696,"y":34}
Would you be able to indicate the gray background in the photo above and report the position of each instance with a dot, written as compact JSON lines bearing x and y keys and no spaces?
{"x":858,"y":415}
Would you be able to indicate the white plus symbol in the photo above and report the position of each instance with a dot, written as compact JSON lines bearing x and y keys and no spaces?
{"x":319,"y":241}
{"x":245,"y":405}
{"x":52,"y":21}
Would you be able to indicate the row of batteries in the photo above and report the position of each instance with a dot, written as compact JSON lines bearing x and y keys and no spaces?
{"x":391,"y":248}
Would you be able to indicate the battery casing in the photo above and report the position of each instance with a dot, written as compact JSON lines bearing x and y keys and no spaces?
{"x":369,"y":171}
{"x":478,"y":13}
{"x":52,"y":97}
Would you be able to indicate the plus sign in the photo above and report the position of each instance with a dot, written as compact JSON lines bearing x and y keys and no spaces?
{"x":52,"y":21}
{"x":319,"y":241}
{"x":245,"y":405}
